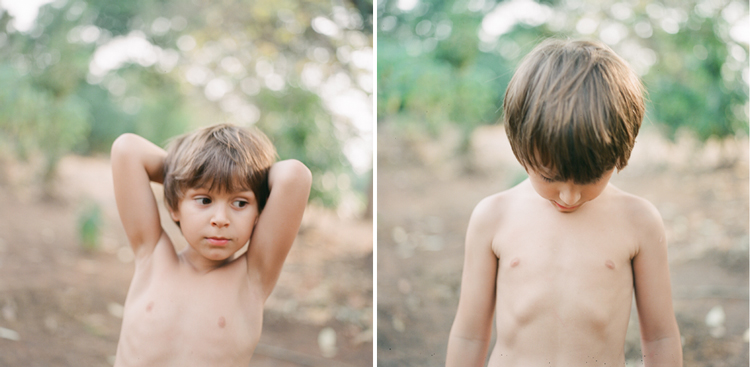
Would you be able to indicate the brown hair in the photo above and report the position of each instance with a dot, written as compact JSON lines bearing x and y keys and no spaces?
{"x":574,"y":107}
{"x":221,"y":157}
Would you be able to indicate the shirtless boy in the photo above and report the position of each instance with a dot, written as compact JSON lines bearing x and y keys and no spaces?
{"x":558,"y":257}
{"x":204,"y":305}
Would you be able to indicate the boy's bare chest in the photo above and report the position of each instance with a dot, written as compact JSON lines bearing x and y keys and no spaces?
{"x":209,"y":317}
{"x":197,"y":304}
{"x":548,"y":266}
{"x":555,"y":244}
{"x":566,"y":262}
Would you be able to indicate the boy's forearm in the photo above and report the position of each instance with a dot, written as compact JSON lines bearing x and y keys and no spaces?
{"x":664,"y":352}
{"x":466,"y":352}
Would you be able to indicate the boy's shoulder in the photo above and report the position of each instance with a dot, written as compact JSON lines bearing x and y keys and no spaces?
{"x":639,"y":209}
{"x":638,"y":213}
{"x":492,"y":209}
{"x":642,"y":219}
{"x":641,"y":212}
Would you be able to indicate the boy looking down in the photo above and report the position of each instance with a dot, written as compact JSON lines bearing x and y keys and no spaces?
{"x":204,"y":305}
{"x":558,"y":258}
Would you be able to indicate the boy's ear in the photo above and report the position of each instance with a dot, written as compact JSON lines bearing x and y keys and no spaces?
{"x":175,"y":214}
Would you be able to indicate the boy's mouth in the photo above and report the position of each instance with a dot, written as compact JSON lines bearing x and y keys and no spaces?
{"x":562,"y":207}
{"x":218,"y":241}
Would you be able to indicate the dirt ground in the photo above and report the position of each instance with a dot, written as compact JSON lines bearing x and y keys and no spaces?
{"x":426,"y":194}
{"x":61,"y":304}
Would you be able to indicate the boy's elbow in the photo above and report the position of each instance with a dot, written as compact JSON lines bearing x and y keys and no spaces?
{"x":304,"y":174}
{"x":299,"y":172}
{"x":121,"y":145}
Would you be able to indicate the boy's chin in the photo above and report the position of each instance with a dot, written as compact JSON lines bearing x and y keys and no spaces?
{"x":217,"y":254}
{"x":213,"y":257}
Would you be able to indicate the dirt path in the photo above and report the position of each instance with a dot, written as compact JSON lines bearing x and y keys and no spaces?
{"x":61,"y":305}
{"x":425,"y":198}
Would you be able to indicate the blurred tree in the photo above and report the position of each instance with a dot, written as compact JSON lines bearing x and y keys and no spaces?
{"x":365,"y":11}
{"x":428,"y":70}
{"x":449,"y":61}
{"x":696,"y":82}
{"x":90,"y":70}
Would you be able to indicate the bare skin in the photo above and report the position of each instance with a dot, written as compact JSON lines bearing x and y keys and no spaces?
{"x":558,"y":264}
{"x":203,"y":306}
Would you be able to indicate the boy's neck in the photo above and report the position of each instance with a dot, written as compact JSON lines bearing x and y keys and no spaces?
{"x":199,"y":263}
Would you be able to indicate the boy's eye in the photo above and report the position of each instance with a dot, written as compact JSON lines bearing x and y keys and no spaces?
{"x":547,"y":179}
{"x":203,"y":201}
{"x":240,"y":203}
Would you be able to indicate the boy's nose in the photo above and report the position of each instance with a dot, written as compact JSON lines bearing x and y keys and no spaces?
{"x":570,"y":196}
{"x":220,"y":219}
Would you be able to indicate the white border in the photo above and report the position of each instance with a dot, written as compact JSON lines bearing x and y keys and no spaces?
{"x":375,"y":184}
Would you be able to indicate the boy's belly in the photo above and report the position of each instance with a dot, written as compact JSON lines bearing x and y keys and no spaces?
{"x":562,"y":309}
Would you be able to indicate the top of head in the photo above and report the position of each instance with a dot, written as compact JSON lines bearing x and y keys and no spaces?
{"x":574,"y":107}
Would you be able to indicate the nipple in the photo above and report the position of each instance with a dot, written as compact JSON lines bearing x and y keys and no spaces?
{"x":514,"y":262}
{"x":609,"y":264}
{"x":222,"y":322}
{"x":150,"y":306}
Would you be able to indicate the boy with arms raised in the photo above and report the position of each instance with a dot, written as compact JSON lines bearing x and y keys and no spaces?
{"x":558,"y":257}
{"x":204,"y":305}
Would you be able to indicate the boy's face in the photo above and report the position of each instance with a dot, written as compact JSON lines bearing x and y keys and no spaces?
{"x":216,"y":224}
{"x":566,"y":196}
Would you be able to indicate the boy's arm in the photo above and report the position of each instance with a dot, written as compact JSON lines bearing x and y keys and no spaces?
{"x":135,"y":162}
{"x":289,"y":183}
{"x":660,"y":336}
{"x":472,"y":328}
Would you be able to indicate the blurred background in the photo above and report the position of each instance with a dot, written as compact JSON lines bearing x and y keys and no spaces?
{"x":76,"y":74}
{"x":442,"y":70}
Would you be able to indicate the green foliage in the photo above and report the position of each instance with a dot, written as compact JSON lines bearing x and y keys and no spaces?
{"x":438,"y":64}
{"x":153,"y":107}
{"x":461,"y":48}
{"x":431,"y":91}
{"x":697,"y":86}
{"x":49,"y":107}
{"x":61,"y":94}
{"x":90,"y":224}
{"x":428,"y":70}
{"x":300,"y":128}
{"x":38,"y":120}
{"x":365,"y":10}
